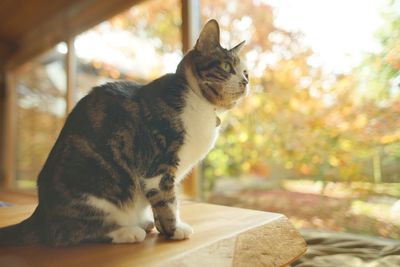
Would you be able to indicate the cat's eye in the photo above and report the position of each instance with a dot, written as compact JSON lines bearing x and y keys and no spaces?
{"x":226,"y":67}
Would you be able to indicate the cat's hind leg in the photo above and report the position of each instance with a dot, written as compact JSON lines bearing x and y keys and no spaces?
{"x":61,"y":231}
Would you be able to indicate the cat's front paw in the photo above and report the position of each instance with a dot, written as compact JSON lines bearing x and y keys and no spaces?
{"x":182,"y":231}
{"x":128,"y":234}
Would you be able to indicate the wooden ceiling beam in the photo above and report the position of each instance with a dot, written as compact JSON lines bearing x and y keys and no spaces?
{"x":76,"y":18}
{"x":7,"y":48}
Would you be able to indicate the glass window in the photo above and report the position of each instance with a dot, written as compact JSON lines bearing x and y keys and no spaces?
{"x":140,"y":44}
{"x":41,"y":87}
{"x":318,"y":137}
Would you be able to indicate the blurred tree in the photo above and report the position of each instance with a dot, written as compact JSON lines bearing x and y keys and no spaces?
{"x":40,"y":113}
{"x":381,"y":71}
{"x":380,"y":85}
{"x":156,"y":21}
{"x":298,"y":119}
{"x":313,"y":123}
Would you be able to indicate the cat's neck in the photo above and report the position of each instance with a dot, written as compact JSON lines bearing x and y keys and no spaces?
{"x":194,"y":87}
{"x":198,"y":101}
{"x":192,"y":82}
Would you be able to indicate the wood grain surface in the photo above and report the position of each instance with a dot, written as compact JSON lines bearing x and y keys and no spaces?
{"x":223,"y":236}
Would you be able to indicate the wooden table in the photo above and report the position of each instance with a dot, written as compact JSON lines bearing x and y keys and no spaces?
{"x":223,"y":236}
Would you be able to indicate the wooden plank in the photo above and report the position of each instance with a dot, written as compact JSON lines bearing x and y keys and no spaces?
{"x":223,"y":236}
{"x":10,"y":130}
{"x":255,"y":247}
{"x":19,"y":197}
{"x":68,"y":22}
{"x":190,"y":29}
{"x":26,"y":15}
{"x":6,"y":30}
{"x":273,"y":244}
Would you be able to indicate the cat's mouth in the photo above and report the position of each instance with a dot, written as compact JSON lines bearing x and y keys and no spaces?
{"x":231,"y":98}
{"x":224,"y":97}
{"x":237,"y":94}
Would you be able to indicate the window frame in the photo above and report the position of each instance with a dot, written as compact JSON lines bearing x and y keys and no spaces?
{"x":190,"y":28}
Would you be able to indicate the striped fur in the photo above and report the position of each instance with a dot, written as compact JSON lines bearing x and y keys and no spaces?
{"x":113,"y":171}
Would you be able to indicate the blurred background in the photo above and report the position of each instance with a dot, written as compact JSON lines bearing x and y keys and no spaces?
{"x":318,"y":137}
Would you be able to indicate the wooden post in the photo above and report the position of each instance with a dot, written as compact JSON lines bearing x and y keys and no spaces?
{"x":190,"y":23}
{"x":190,"y":30}
{"x":71,"y":76}
{"x":2,"y":125}
{"x":10,"y":130}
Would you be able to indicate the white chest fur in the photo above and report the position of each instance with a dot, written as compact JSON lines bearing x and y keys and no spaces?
{"x":199,"y":121}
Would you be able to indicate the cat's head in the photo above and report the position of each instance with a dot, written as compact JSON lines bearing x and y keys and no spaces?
{"x":216,"y":73}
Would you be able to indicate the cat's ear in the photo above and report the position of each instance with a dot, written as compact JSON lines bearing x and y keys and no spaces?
{"x":237,"y":48}
{"x":209,"y":37}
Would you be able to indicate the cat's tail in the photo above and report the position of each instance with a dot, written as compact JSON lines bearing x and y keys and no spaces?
{"x":24,"y":233}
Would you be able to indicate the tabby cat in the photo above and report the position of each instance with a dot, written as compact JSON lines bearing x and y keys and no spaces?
{"x":112,"y":173}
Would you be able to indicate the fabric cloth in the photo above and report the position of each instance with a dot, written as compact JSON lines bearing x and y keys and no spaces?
{"x":327,"y":249}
